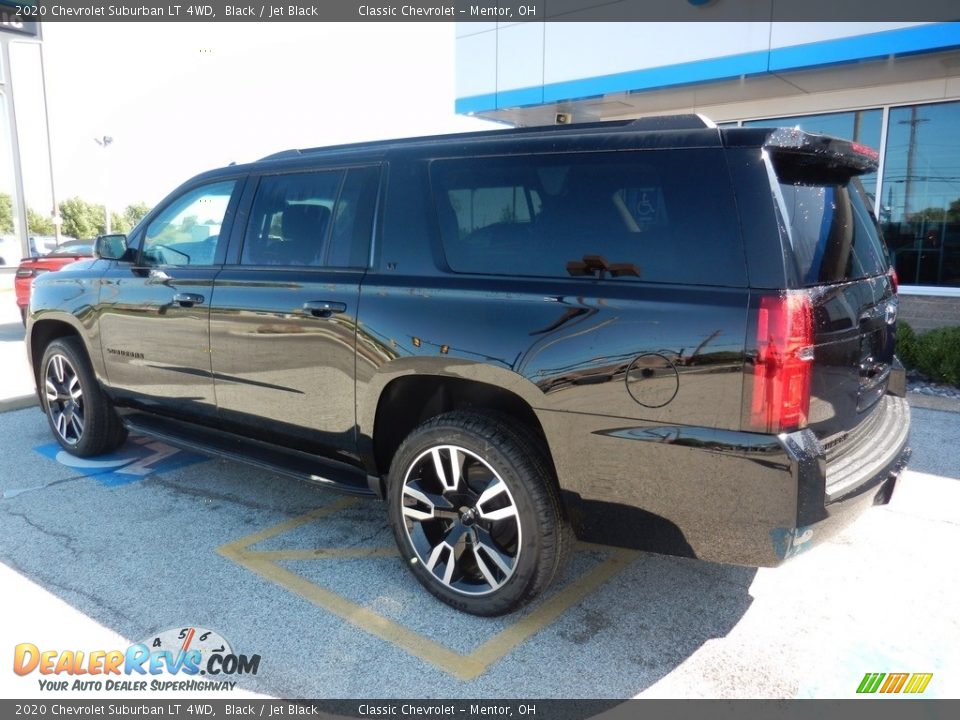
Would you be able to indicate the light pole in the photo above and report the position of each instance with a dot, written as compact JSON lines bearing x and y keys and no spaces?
{"x":57,"y":220}
{"x":104,"y":142}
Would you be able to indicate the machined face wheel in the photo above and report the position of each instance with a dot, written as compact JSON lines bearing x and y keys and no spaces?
{"x":64,"y":395}
{"x":461,"y":520}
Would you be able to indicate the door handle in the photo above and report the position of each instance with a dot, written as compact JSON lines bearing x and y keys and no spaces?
{"x":323,"y":308}
{"x":188,"y":299}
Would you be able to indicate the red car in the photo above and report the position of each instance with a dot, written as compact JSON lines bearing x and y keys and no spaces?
{"x":68,"y":252}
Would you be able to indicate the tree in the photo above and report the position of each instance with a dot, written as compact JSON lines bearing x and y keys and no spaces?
{"x":119,"y":224}
{"x":81,"y":219}
{"x":6,"y":213}
{"x":39,"y":224}
{"x":135,"y":212}
{"x":938,"y":214}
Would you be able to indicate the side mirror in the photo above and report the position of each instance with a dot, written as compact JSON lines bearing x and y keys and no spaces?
{"x":110,"y":247}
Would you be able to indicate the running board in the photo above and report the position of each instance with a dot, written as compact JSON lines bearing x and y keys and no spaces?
{"x":272,"y":458}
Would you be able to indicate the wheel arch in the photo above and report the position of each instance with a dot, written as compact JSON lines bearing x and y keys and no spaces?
{"x":397,"y":402}
{"x":45,"y":330}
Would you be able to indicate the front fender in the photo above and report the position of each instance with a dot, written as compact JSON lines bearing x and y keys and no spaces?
{"x":65,"y":302}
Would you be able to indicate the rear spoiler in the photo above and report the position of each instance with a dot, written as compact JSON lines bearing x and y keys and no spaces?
{"x":800,"y":150}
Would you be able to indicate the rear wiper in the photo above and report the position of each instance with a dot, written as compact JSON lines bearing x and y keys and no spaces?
{"x":597,"y":266}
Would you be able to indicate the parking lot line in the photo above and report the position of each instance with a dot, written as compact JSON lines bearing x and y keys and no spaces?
{"x":462,"y":666}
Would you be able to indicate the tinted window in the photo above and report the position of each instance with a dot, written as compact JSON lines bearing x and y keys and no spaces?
{"x":187,"y":231}
{"x":353,"y":219}
{"x":833,"y":233}
{"x":646,"y":214}
{"x":317,"y":218}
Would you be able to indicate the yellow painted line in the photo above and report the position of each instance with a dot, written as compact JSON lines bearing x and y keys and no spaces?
{"x":323,"y":553}
{"x":366,"y":620}
{"x":243,"y":543}
{"x":462,"y":666}
{"x":499,"y":645}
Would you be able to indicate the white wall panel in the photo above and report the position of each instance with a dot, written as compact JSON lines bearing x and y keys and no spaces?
{"x":476,"y":64}
{"x":518,"y":63}
{"x":579,"y":50}
{"x":800,"y":33}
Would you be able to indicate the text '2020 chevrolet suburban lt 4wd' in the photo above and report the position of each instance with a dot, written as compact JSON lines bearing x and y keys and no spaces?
{"x":655,"y":334}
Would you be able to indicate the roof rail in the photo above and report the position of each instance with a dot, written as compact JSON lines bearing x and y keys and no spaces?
{"x":688,"y":121}
{"x":661,"y":122}
{"x":282,"y":154}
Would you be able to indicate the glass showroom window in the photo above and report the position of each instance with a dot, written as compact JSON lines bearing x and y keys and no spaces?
{"x":863,"y":126}
{"x":920,"y":202}
{"x":9,"y":239}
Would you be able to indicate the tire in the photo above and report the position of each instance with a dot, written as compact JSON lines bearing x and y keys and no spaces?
{"x":81,"y":416}
{"x":476,"y":513}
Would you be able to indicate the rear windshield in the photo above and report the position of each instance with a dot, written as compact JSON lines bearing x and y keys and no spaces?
{"x":832,"y":231}
{"x":72,"y":249}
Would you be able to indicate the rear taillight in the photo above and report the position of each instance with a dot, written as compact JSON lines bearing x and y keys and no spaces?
{"x":25,"y":272}
{"x":894,"y":279}
{"x":781,"y":375}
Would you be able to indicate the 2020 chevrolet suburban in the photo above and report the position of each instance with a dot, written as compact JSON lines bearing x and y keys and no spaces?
{"x":656,"y":334}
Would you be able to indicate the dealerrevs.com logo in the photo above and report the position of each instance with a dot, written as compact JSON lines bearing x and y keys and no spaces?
{"x":185,"y":653}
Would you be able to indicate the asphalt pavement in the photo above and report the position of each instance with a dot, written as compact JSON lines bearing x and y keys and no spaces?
{"x":100,"y":554}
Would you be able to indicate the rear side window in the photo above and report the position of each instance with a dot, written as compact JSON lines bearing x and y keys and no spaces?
{"x":650,"y":216}
{"x":320,"y":218}
{"x":832,"y":232}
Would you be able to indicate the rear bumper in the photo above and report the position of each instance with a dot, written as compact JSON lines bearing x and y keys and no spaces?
{"x":724,"y":496}
{"x":831,"y":494}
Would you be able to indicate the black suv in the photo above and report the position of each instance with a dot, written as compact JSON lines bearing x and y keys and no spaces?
{"x":655,"y":334}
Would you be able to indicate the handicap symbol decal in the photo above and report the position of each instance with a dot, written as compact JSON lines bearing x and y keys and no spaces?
{"x":138,"y":458}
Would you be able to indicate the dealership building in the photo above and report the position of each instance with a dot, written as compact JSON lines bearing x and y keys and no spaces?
{"x":894,"y":86}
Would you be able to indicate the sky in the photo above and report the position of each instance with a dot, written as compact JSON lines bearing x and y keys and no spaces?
{"x":181,"y":98}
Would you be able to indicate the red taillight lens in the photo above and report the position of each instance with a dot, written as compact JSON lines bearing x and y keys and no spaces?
{"x":781,"y":375}
{"x":894,"y":279}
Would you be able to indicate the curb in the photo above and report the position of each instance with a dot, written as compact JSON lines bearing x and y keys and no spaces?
{"x":933,"y":402}
{"x":18,"y":403}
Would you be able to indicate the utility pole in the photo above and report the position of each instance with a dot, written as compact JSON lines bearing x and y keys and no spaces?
{"x":911,"y":158}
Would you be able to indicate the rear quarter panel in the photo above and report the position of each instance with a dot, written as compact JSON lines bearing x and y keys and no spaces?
{"x":627,"y":352}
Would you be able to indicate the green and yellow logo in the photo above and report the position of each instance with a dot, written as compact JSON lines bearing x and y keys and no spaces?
{"x":894,"y":682}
